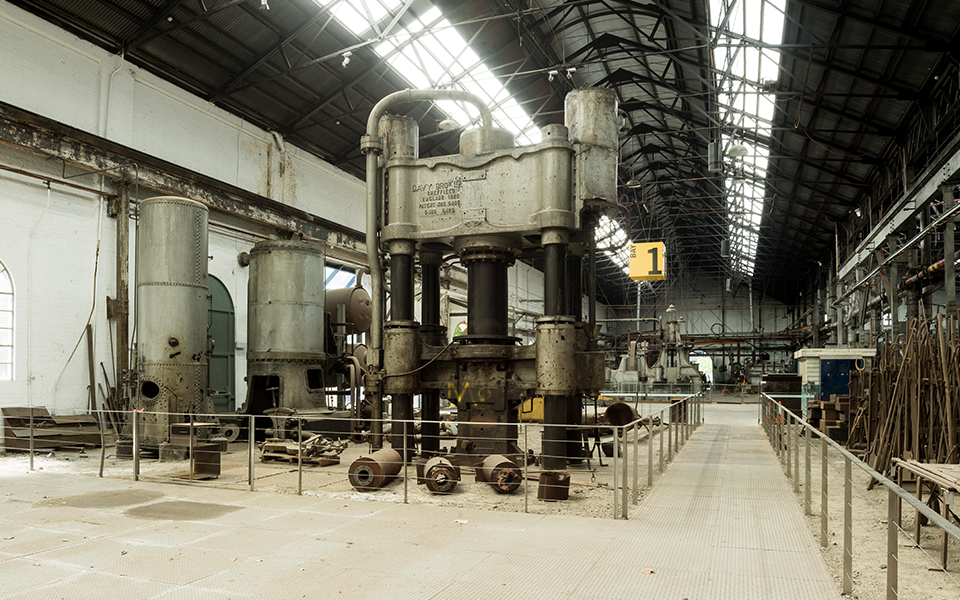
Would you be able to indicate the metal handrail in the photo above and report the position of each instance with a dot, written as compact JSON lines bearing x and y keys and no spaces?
{"x":925,"y":510}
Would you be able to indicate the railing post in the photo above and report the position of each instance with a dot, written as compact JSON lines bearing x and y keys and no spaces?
{"x":785,"y":416}
{"x":405,"y":462}
{"x":31,"y":438}
{"x":847,"y":526}
{"x":251,"y":437}
{"x":660,"y":435}
{"x":190,"y":445}
{"x":670,"y":438}
{"x":636,"y":463}
{"x":806,"y":476}
{"x":616,"y":475}
{"x":824,"y":502}
{"x":892,"y":559}
{"x":650,"y":452}
{"x":796,"y":461}
{"x":623,"y":499}
{"x":299,"y":456}
{"x":136,"y":445}
{"x":526,"y":480}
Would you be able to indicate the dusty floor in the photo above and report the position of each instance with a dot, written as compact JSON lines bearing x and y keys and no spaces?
{"x":920,"y":575}
{"x":591,"y":490}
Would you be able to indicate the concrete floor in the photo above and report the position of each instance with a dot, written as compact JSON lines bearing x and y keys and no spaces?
{"x":720,"y":524}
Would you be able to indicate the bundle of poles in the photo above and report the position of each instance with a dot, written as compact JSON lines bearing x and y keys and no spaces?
{"x":907,"y":406}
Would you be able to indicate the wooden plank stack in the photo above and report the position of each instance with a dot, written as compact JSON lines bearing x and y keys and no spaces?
{"x":50,"y":432}
{"x":831,"y":417}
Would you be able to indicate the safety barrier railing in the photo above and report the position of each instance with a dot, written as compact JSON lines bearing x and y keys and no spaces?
{"x":319,"y":454}
{"x":785,"y":429}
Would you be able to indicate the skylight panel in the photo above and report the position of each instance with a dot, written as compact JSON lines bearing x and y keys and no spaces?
{"x":746,"y":108}
{"x":437,"y":58}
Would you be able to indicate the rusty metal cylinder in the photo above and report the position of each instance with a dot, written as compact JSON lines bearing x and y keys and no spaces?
{"x":553,"y":486}
{"x":372,"y":472}
{"x":501,"y":473}
{"x":439,"y":474}
{"x":620,"y":413}
{"x":359,"y":309}
{"x":401,"y":357}
{"x":556,"y":356}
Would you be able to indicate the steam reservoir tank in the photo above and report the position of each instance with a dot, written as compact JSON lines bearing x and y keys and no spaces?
{"x":171,"y":313}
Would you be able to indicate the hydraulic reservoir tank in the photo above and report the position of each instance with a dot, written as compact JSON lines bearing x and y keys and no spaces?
{"x":171,"y":312}
{"x":359,"y":310}
{"x":286,"y":300}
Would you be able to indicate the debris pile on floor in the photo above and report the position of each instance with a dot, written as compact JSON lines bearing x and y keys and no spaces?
{"x":318,"y":450}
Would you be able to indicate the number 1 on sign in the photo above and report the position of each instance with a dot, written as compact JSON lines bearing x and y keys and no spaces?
{"x":647,"y":261}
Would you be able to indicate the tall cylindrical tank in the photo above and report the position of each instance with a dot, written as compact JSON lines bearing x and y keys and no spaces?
{"x":286,"y":363}
{"x":286,"y":299}
{"x":171,"y":312}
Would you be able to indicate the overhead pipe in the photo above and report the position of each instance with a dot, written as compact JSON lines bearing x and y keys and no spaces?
{"x":372,"y":145}
{"x":924,"y":274}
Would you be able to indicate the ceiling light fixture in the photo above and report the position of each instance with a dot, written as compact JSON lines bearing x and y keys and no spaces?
{"x":551,"y":74}
{"x":264,"y":5}
{"x":346,"y":59}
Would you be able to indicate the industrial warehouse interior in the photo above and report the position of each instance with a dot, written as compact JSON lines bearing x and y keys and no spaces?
{"x":479,"y":299}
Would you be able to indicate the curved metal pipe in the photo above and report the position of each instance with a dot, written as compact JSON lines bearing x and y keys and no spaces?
{"x":417,"y":95}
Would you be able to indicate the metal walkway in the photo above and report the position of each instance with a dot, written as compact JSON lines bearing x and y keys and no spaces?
{"x":723,"y":522}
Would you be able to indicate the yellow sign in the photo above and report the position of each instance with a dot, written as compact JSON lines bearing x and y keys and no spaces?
{"x":647,"y":261}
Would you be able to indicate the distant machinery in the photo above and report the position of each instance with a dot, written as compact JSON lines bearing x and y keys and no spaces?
{"x":673,"y":370}
{"x":486,"y":205}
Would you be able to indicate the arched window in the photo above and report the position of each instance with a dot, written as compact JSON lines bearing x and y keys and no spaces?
{"x":6,"y":324}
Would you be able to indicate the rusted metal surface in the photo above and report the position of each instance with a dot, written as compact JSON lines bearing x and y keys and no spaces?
{"x":501,"y":473}
{"x":439,"y":474}
{"x":374,"y":471}
{"x":554,"y":486}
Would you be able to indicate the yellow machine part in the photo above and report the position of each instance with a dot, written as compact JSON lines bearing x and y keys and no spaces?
{"x":532,"y":409}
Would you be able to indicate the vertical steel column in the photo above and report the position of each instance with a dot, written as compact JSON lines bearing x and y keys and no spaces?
{"x":949,"y":262}
{"x":590,"y":225}
{"x":122,"y":304}
{"x":824,"y":499}
{"x":892,"y":558}
{"x":894,"y":291}
{"x":432,"y":334}
{"x":251,"y":441}
{"x":806,"y":476}
{"x":401,"y":306}
{"x":847,"y":526}
{"x":573,"y":296}
{"x":554,"y":406}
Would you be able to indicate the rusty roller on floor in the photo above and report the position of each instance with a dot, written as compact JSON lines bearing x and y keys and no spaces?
{"x":439,"y":474}
{"x":372,"y":472}
{"x":619,"y":414}
{"x":501,"y":473}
